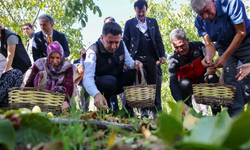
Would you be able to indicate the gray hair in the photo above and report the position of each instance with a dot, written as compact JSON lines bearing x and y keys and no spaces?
{"x":198,"y":5}
{"x":177,"y":34}
{"x":47,"y":18}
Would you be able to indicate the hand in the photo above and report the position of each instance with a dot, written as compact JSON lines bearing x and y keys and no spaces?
{"x":163,"y":60}
{"x":158,"y":63}
{"x":100,"y":101}
{"x":65,"y":106}
{"x":80,"y":70}
{"x":137,"y":64}
{"x":245,"y":70}
{"x":220,"y":62}
{"x":210,"y":71}
{"x":207,"y":61}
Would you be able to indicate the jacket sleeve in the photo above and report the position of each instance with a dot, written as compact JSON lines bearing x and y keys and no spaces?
{"x":35,"y":50}
{"x":126,"y":35}
{"x":158,"y":41}
{"x":65,"y":46}
{"x":174,"y":83}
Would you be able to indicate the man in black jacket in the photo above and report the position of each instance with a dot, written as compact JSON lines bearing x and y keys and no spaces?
{"x":185,"y":67}
{"x":105,"y":59}
{"x":144,"y":43}
{"x":43,"y":38}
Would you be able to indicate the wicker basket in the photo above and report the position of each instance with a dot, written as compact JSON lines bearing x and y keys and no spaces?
{"x":140,"y":96}
{"x":218,"y":94}
{"x":29,"y":97}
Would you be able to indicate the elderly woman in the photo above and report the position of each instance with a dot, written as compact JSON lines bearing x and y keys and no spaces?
{"x":10,"y":46}
{"x":54,"y":73}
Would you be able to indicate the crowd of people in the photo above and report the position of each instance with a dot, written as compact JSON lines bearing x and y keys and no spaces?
{"x":111,"y":62}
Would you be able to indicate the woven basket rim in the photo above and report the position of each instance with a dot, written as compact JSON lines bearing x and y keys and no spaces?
{"x":34,"y":89}
{"x":213,"y":84}
{"x":132,"y":86}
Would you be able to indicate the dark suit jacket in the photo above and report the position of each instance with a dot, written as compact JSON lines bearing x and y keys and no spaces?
{"x":39,"y":45}
{"x":77,"y":61}
{"x":132,"y":33}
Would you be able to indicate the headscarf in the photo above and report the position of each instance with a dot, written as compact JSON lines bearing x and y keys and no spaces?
{"x":55,"y":75}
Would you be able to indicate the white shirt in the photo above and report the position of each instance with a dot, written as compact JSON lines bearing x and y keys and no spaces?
{"x":142,"y":26}
{"x":51,"y":37}
{"x":90,"y":65}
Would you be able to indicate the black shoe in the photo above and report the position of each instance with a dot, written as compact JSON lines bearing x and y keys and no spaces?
{"x":215,"y":110}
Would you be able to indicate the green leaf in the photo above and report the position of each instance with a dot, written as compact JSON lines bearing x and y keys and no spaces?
{"x":70,"y":4}
{"x":83,"y":23}
{"x":7,"y":134}
{"x":176,"y":110}
{"x":210,"y":132}
{"x":34,"y":128}
{"x":94,"y":10}
{"x":170,"y":129}
{"x":240,"y":131}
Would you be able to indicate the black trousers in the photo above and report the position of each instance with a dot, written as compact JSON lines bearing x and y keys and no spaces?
{"x":110,"y":85}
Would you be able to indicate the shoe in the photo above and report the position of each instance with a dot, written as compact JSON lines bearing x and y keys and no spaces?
{"x":155,"y":115}
{"x":144,"y":113}
{"x":215,"y":110}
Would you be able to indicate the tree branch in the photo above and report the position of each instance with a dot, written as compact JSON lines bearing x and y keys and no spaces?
{"x":8,"y":11}
{"x":36,"y":16}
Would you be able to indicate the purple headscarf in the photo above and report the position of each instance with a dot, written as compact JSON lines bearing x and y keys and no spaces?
{"x":55,"y":75}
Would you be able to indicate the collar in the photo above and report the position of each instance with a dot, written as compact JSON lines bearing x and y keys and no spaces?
{"x":142,"y":22}
{"x":219,"y":11}
{"x":48,"y":35}
{"x":31,"y":35}
{"x":101,"y":46}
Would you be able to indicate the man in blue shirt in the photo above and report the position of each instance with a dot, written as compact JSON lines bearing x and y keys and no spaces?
{"x":224,"y":26}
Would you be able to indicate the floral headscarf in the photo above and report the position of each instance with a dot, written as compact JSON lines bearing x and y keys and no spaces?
{"x":55,"y":75}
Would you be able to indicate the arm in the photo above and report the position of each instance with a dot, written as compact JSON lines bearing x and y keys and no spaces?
{"x":174,"y":83}
{"x":30,"y":81}
{"x":240,"y":33}
{"x":159,"y":44}
{"x":210,"y":51}
{"x":129,"y":62}
{"x":12,"y":40}
{"x":89,"y":81}
{"x":11,"y":53}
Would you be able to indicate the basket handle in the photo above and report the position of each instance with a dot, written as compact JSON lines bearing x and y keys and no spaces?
{"x":221,"y":80}
{"x":143,"y":82}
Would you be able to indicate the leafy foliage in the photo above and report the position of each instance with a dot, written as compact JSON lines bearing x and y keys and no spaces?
{"x":7,"y":134}
{"x":64,"y":12}
{"x":34,"y":128}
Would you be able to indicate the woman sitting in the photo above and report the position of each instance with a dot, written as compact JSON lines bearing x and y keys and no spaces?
{"x":9,"y":77}
{"x":54,"y":73}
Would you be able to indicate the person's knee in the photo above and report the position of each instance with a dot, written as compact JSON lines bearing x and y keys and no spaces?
{"x":213,"y":78}
{"x":185,"y":84}
{"x":106,"y":83}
